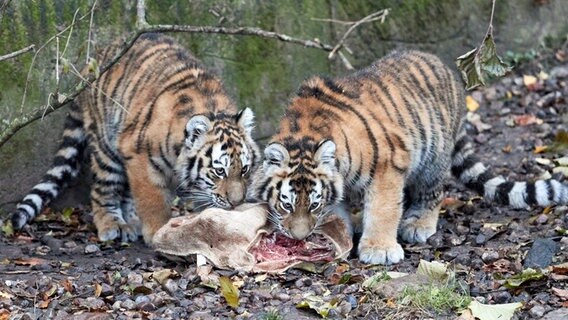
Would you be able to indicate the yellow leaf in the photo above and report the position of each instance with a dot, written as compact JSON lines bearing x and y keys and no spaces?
{"x":229,"y":292}
{"x":471,"y":104}
{"x":543,"y":75}
{"x":529,"y":80}
{"x":540,"y":149}
{"x":98,"y":289}
{"x":5,"y":295}
{"x":494,"y":311}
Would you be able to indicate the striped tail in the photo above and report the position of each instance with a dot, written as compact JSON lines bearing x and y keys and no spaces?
{"x":65,"y":167}
{"x":467,"y":168}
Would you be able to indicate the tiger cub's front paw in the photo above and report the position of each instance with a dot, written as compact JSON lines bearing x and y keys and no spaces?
{"x":374,"y":251}
{"x":414,"y":230}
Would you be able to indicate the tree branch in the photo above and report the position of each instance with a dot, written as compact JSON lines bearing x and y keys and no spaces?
{"x":62,"y":100}
{"x":17,"y":53}
{"x":379,"y":15}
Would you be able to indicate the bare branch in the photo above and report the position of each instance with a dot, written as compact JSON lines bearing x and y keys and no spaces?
{"x":242,"y":31}
{"x":62,"y":100}
{"x":17,"y":53}
{"x":141,"y":14}
{"x":379,"y":15}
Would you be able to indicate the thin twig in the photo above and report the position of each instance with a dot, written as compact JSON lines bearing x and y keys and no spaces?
{"x":90,"y":31}
{"x":379,"y":15}
{"x":141,"y":14}
{"x":42,"y":111}
{"x":17,"y":53}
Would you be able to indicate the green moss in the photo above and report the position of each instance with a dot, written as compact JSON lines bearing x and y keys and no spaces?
{"x":440,"y":299}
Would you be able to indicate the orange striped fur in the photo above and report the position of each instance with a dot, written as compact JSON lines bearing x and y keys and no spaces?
{"x":386,"y":138}
{"x":158,"y":123}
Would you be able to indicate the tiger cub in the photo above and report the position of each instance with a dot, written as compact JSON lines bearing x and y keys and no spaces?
{"x":157,"y":124}
{"x":387,"y":135}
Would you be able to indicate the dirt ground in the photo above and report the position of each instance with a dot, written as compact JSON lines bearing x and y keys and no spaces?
{"x":57,"y":269}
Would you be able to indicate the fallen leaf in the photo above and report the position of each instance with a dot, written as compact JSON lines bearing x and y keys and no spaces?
{"x":5,"y":295}
{"x":318,"y":305}
{"x":306,"y":266}
{"x":260,"y":277}
{"x":561,"y":293}
{"x":98,"y":289}
{"x":562,"y":161}
{"x":471,"y":104}
{"x":452,"y":203}
{"x":543,"y":161}
{"x":30,"y":261}
{"x":162,"y":275}
{"x":434,"y":270}
{"x":507,"y":149}
{"x":560,"y":142}
{"x":475,"y":119}
{"x":44,"y":304}
{"x":529,"y":80}
{"x":67,"y":285}
{"x":560,"y":268}
{"x":45,"y":295}
{"x":540,"y":149}
{"x":561,"y":170}
{"x":142,"y":290}
{"x":7,"y":228}
{"x":527,"y":119}
{"x":543,"y":75}
{"x":526,"y":275}
{"x":4,"y":314}
{"x":493,"y":311}
{"x":229,"y":292}
{"x":466,"y":315}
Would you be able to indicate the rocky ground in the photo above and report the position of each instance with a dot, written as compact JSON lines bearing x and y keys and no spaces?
{"x":57,"y":269}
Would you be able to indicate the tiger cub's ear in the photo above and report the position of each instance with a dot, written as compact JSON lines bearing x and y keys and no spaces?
{"x":245,"y":120}
{"x":275,"y":156}
{"x":325,"y":154}
{"x":195,"y":130}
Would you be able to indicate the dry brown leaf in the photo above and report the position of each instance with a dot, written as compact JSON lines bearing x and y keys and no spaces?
{"x":45,"y":295}
{"x":44,"y":304}
{"x":540,"y":149}
{"x":561,"y":293}
{"x":4,"y":314}
{"x":452,"y":203}
{"x":527,"y":119}
{"x":507,"y":149}
{"x":560,"y":268}
{"x":162,"y":275}
{"x":466,"y":315}
{"x":30,"y":261}
{"x":67,"y":285}
{"x":471,"y":104}
{"x":98,"y":289}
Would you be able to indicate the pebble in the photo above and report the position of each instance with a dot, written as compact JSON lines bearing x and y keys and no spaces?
{"x":106,"y":290}
{"x":282,"y":296}
{"x":541,"y":219}
{"x":116,"y":305}
{"x":141,"y":299}
{"x":70,"y":244}
{"x":128,"y":304}
{"x":501,"y":297}
{"x":135,"y":278}
{"x":561,"y":313}
{"x":171,"y":286}
{"x":541,"y":253}
{"x":480,"y":239}
{"x":537,"y":311}
{"x":92,"y":248}
{"x":489,"y":256}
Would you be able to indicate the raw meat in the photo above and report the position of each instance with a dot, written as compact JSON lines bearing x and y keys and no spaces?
{"x":276,"y":247}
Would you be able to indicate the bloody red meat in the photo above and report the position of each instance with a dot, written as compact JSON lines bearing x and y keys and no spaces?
{"x":278,"y":247}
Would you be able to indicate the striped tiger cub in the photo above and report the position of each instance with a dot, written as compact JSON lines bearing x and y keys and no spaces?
{"x":386,"y":136}
{"x":157,"y":124}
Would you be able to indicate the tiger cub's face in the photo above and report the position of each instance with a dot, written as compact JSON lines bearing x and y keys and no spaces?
{"x":216,"y":160}
{"x":300,"y":185}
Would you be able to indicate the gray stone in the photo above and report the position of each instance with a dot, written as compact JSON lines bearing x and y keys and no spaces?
{"x":556,"y":314}
{"x":541,"y":253}
{"x":92,"y":248}
{"x":537,"y":311}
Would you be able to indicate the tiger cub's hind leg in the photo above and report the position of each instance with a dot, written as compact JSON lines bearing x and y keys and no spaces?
{"x":420,"y":218}
{"x":110,"y":198}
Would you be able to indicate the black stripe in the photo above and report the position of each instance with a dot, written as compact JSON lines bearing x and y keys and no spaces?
{"x":478,"y":185}
{"x":30,"y":203}
{"x":104,"y":166}
{"x":45,"y":196}
{"x":502,"y":192}
{"x":460,"y":144}
{"x":321,"y":96}
{"x":531,"y":193}
{"x":467,"y":163}
{"x":550,"y":189}
{"x":165,"y":159}
{"x":348,"y":149}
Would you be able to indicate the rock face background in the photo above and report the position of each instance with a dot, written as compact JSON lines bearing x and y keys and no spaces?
{"x":259,"y":73}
